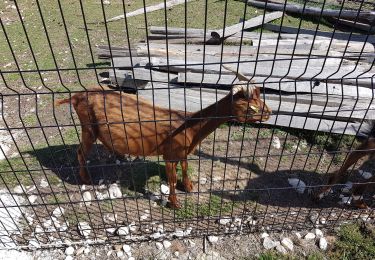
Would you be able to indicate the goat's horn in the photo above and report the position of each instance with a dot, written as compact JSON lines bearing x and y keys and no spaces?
{"x":240,"y":76}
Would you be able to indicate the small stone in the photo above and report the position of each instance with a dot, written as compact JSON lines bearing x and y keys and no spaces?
{"x":159,"y":245}
{"x":80,"y":251}
{"x":86,"y":196}
{"x":114,"y":191}
{"x":276,"y":142}
{"x":86,"y":251}
{"x":264,"y":235}
{"x":19,"y":189}
{"x":117,"y":247}
{"x":119,"y":253}
{"x":84,"y":229}
{"x":287,"y":243}
{"x":69,"y":257}
{"x":127,"y":249}
{"x":32,"y":188}
{"x":32,"y":198}
{"x":298,"y":235}
{"x":176,"y":254}
{"x":297,"y":184}
{"x":123,"y":231}
{"x":110,"y":217}
{"x":164,"y":189}
{"x":365,"y":175}
{"x":323,"y":221}
{"x":314,"y":218}
{"x":106,"y":2}
{"x":109,"y":252}
{"x":213,"y":239}
{"x":323,"y":244}
{"x":268,"y":243}
{"x":58,"y":212}
{"x":309,"y":236}
{"x":178,"y":233}
{"x":224,"y":221}
{"x":69,"y":250}
{"x":281,"y":249}
{"x":166,"y":244}
{"x":34,"y":244}
{"x":188,"y":231}
{"x":202,"y":180}
{"x":43,"y":183}
{"x":318,"y":233}
{"x":143,"y":217}
{"x":155,"y":235}
{"x":111,"y":231}
{"x":131,"y":258}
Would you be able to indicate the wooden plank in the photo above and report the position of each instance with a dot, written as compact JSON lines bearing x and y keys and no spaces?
{"x":335,"y":35}
{"x":314,"y":11}
{"x":149,"y":9}
{"x":360,"y":26}
{"x":285,"y":85}
{"x":191,"y":100}
{"x":127,"y":78}
{"x":251,"y":23}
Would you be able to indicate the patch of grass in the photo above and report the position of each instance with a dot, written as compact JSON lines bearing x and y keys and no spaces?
{"x":190,"y":209}
{"x":74,"y":218}
{"x":30,"y":120}
{"x":354,"y":242}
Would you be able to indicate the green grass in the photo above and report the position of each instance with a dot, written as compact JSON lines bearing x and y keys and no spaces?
{"x":354,"y":242}
{"x":213,"y":207}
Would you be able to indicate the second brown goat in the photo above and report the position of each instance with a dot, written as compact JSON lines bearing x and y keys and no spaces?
{"x":128,"y":125}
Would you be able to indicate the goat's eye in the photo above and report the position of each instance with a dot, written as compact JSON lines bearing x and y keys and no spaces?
{"x":255,"y":109}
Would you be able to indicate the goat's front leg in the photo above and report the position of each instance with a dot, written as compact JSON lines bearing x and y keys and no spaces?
{"x":353,"y":157}
{"x":188,"y":186}
{"x":172,"y":181}
{"x":84,"y":148}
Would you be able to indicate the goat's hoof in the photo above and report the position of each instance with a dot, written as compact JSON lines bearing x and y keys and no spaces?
{"x":86,"y":181}
{"x":360,"y":204}
{"x":174,"y":205}
{"x":188,"y":186}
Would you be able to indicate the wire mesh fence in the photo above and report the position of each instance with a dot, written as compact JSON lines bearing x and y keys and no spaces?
{"x":138,"y":120}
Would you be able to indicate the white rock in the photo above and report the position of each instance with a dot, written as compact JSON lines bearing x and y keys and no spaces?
{"x":69,"y":250}
{"x":224,"y":221}
{"x":298,"y":235}
{"x":143,"y":217}
{"x":32,"y":188}
{"x":84,"y":229}
{"x":114,"y":191}
{"x":281,"y":249}
{"x":43,"y":183}
{"x":126,"y":249}
{"x":131,"y":258}
{"x":86,"y":196}
{"x":19,"y":189}
{"x":69,"y":257}
{"x":80,"y":251}
{"x":110,"y":217}
{"x":188,"y":231}
{"x":47,"y":223}
{"x":155,"y":235}
{"x":176,"y":254}
{"x":323,"y":244}
{"x":166,"y":244}
{"x":264,"y":235}
{"x":318,"y":233}
{"x":268,"y":243}
{"x":86,"y":251}
{"x":119,"y":253}
{"x":365,"y":175}
{"x":164,"y":189}
{"x":109,"y":252}
{"x":101,"y":181}
{"x":63,"y":227}
{"x":309,"y":236}
{"x":34,"y":244}
{"x":58,"y":212}
{"x":276,"y":142}
{"x":178,"y":233}
{"x":111,"y":230}
{"x":287,"y":243}
{"x":83,"y":187}
{"x":101,"y":196}
{"x":106,"y":2}
{"x":202,"y":180}
{"x":32,"y":198}
{"x":213,"y":239}
{"x":123,"y":231}
{"x":159,"y":245}
{"x":323,"y":221}
{"x":297,"y":184}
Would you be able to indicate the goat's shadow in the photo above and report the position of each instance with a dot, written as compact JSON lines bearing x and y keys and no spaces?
{"x":133,"y":174}
{"x":273,"y":189}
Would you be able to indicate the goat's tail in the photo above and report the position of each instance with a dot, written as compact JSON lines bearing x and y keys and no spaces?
{"x":59,"y":102}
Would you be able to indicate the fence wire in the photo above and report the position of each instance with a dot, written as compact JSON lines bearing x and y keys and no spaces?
{"x":161,"y":90}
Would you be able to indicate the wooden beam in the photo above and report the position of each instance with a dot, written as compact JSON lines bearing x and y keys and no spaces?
{"x":314,"y":11}
{"x":148,"y":9}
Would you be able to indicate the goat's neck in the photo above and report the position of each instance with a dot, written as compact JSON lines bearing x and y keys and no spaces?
{"x":204,"y":122}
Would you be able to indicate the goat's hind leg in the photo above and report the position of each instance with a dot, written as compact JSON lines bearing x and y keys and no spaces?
{"x":353,"y":157}
{"x":172,"y":181}
{"x":88,"y":139}
{"x":188,"y":186}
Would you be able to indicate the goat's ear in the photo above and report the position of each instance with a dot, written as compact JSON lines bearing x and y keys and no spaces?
{"x":256,"y":93}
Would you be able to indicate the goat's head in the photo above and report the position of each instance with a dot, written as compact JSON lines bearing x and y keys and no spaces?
{"x":247,"y":105}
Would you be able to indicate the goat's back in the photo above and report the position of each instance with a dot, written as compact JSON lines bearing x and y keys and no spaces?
{"x":125,"y":123}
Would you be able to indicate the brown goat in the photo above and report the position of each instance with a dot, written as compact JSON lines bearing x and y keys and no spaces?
{"x":126,"y":124}
{"x":367,"y":147}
